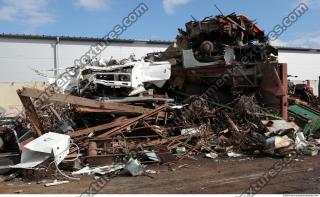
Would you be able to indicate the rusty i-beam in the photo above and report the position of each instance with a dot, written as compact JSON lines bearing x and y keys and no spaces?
{"x":31,"y":113}
{"x":47,"y":96}
{"x":131,"y":122}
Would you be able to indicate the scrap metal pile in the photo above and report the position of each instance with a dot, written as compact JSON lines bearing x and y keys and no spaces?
{"x":93,"y":134}
{"x":113,"y":79}
{"x":221,"y":39}
{"x":119,"y":115}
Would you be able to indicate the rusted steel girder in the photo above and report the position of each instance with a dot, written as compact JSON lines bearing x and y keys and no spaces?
{"x":31,"y":113}
{"x":86,"y":131}
{"x":49,"y":96}
{"x":131,"y":122}
{"x":284,"y":98}
{"x":84,"y":110}
{"x":172,"y":139}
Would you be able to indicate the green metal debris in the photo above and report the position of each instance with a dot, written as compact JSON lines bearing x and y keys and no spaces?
{"x":306,"y":117}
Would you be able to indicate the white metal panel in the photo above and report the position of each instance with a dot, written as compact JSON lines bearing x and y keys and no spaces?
{"x":71,"y":50}
{"x":18,"y":57}
{"x":305,"y":65}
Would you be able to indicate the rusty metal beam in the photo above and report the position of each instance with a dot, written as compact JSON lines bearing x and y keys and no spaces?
{"x":272,"y":81}
{"x":172,"y":139}
{"x":84,"y":110}
{"x":31,"y":113}
{"x":49,"y":96}
{"x":116,"y":123}
{"x":284,"y":98}
{"x":81,"y":109}
{"x":3,"y":129}
{"x":131,"y":122}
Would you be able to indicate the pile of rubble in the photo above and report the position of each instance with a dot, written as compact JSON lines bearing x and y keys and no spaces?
{"x":111,"y":116}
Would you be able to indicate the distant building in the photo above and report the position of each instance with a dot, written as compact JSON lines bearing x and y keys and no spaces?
{"x":21,"y":55}
{"x":303,"y":63}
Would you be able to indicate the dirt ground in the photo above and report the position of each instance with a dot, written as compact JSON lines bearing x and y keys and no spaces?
{"x":205,"y":176}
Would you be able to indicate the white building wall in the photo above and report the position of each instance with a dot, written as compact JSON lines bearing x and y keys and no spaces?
{"x":18,"y":57}
{"x":304,"y":65}
{"x":68,"y":51}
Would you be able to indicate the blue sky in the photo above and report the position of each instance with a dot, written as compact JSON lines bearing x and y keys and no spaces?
{"x":95,"y":18}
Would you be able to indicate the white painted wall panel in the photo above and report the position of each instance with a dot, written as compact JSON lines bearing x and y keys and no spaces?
{"x":306,"y":65}
{"x":68,"y":51}
{"x":19,"y":56}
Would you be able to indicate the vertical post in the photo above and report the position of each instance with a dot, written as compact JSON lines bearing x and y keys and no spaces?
{"x":318,"y":88}
{"x":31,"y":113}
{"x":284,"y":99}
{"x":56,"y":66}
{"x":308,"y":83}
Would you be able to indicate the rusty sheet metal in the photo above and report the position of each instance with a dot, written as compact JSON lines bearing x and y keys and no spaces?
{"x":284,"y":98}
{"x":100,"y":160}
{"x":47,"y":96}
{"x":271,"y":81}
{"x":3,"y":129}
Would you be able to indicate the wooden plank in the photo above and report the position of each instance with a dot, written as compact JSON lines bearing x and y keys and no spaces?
{"x":47,"y":96}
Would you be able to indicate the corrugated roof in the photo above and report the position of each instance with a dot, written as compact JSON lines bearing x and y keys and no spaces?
{"x":301,"y":49}
{"x":95,"y":39}
{"x":77,"y":38}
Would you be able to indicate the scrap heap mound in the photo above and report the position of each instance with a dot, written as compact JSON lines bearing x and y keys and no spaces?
{"x":112,"y":116}
{"x":215,"y":39}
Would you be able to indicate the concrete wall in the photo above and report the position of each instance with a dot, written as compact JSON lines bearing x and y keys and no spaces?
{"x":9,"y":99}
